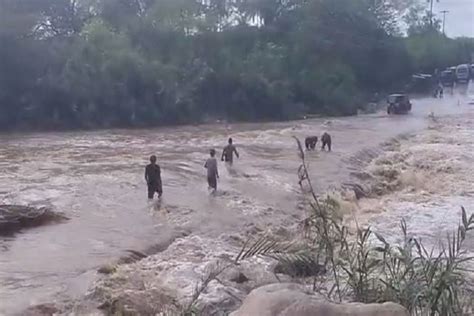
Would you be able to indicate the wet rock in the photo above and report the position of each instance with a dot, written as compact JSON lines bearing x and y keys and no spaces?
{"x":41,"y":310}
{"x":300,"y":270}
{"x":257,"y":272}
{"x":16,"y":217}
{"x":287,"y":299}
{"x":240,"y":278}
{"x":170,"y":278}
{"x":107,"y":269}
{"x":271,"y":299}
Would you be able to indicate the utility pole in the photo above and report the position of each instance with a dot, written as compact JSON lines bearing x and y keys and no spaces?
{"x":431,"y":11}
{"x":444,"y":18}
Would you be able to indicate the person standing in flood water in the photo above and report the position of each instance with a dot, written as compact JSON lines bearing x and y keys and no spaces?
{"x":326,"y":140}
{"x":153,"y":178}
{"x":228,"y":153}
{"x":212,"y":172}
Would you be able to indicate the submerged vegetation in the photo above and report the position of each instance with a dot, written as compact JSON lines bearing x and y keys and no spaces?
{"x":105,"y":63}
{"x":363,"y":266}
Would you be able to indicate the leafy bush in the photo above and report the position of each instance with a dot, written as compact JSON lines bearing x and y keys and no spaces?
{"x":104,"y":63}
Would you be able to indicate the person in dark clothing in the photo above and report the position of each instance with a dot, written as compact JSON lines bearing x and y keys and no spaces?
{"x":326,"y":140}
{"x":212,"y":172}
{"x":153,"y":178}
{"x":310,"y":142}
{"x":228,"y":153}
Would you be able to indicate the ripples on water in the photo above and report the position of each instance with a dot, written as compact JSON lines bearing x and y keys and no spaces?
{"x":96,"y":179}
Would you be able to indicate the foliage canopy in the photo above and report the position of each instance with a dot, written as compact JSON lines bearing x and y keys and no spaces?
{"x":106,"y":63}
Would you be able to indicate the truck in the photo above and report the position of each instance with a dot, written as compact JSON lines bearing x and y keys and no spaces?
{"x":462,"y":73}
{"x":398,"y":104}
{"x":447,"y":78}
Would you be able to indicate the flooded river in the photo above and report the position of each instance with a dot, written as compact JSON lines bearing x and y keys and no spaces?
{"x":97,"y":180}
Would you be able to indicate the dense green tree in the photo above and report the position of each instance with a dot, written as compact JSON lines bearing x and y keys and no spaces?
{"x":105,"y":63}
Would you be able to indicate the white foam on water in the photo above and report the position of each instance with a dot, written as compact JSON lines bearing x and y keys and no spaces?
{"x":433,"y":176}
{"x":431,"y":220}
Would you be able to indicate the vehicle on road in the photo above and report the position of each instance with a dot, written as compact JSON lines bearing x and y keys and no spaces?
{"x":448,"y":78}
{"x":398,"y":104}
{"x":462,"y":73}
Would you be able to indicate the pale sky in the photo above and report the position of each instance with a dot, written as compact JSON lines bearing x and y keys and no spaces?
{"x":460,"y":19}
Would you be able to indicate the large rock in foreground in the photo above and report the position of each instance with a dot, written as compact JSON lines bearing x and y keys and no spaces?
{"x":17,"y":217}
{"x":287,"y":299}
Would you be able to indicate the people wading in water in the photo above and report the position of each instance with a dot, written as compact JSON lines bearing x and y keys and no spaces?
{"x":326,"y":141}
{"x":212,"y":172}
{"x":228,"y":153}
{"x":153,"y":178}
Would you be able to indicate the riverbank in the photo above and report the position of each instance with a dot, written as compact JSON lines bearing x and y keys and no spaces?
{"x":218,"y":122}
{"x":423,"y":178}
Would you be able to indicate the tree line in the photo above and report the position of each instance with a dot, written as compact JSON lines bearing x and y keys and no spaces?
{"x":126,"y":63}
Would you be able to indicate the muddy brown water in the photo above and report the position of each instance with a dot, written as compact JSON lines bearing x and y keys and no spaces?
{"x":96,"y":179}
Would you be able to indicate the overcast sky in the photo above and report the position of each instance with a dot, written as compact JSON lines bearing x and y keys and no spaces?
{"x":460,"y":19}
